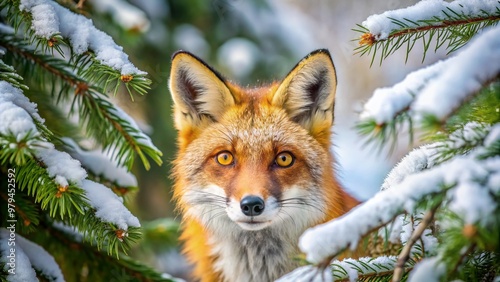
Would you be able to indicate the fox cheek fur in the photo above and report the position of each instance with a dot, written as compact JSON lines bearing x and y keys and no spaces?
{"x":254,"y":167}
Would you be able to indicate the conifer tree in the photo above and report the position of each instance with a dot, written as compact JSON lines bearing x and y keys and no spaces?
{"x":62,"y":205}
{"x":436,"y":217}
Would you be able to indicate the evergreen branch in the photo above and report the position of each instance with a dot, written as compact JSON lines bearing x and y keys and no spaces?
{"x":409,"y":100}
{"x":118,"y":131}
{"x":59,"y":201}
{"x":28,"y":214}
{"x":447,"y":25}
{"x":65,"y":245}
{"x":70,"y":204}
{"x":372,"y":269}
{"x":18,"y":150}
{"x":405,"y":253}
{"x":7,"y":73}
{"x":95,"y":63}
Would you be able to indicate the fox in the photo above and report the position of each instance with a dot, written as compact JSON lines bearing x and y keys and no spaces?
{"x":254,"y":167}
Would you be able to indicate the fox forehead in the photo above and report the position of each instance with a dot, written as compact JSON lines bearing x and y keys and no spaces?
{"x":257,"y":127}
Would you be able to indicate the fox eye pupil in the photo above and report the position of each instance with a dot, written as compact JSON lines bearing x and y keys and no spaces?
{"x":284,"y":159}
{"x":224,"y":158}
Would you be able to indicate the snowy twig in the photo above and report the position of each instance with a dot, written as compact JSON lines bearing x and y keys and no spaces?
{"x":453,"y":22}
{"x":112,"y":124}
{"x":405,"y":253}
{"x":82,"y":34}
{"x":464,"y":174}
{"x":28,"y":256}
{"x":414,"y":99}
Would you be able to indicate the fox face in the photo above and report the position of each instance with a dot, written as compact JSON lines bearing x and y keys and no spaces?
{"x":254,"y":164}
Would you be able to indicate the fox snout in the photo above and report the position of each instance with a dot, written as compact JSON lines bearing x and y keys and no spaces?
{"x":252,"y":205}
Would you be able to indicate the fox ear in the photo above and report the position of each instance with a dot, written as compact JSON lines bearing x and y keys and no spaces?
{"x":308,"y":94}
{"x":200,"y":94}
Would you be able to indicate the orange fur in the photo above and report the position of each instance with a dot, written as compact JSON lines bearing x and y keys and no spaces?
{"x":254,"y":126}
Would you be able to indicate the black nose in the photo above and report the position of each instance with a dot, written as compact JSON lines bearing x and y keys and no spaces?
{"x":252,"y":205}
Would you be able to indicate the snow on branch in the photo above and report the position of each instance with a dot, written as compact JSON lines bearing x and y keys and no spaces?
{"x":467,"y":72}
{"x":468,"y":197}
{"x":101,"y":165}
{"x":427,"y":91}
{"x":439,"y":11}
{"x":50,"y":19}
{"x":28,"y":257}
{"x":13,"y":96}
{"x":388,"y":102}
{"x":16,"y":120}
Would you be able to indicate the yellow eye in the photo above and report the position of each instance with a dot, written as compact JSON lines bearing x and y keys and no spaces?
{"x":224,"y":158}
{"x":284,"y":159}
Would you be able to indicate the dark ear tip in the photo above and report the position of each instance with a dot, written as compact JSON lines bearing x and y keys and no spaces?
{"x":183,"y":52}
{"x":320,"y":51}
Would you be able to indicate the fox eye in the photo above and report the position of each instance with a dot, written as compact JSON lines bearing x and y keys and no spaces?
{"x":284,"y":159}
{"x":224,"y":158}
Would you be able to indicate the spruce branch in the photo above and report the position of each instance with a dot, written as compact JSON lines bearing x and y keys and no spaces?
{"x":60,"y":201}
{"x":123,"y":269}
{"x":104,"y":121}
{"x":447,"y":26}
{"x":27,"y":213}
{"x":106,"y":74}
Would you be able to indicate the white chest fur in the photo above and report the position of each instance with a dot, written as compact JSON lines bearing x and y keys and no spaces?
{"x":262,"y":255}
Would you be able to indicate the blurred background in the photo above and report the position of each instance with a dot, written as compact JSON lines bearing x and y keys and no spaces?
{"x":252,"y":43}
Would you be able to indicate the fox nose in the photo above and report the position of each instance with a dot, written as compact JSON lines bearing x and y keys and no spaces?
{"x":252,"y":205}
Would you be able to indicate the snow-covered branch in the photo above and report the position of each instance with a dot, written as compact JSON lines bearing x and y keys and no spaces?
{"x":465,"y":174}
{"x":382,"y":25}
{"x":428,"y":91}
{"x":468,"y":72}
{"x":50,"y":19}
{"x":16,"y":114}
{"x":101,"y":165}
{"x":28,"y":256}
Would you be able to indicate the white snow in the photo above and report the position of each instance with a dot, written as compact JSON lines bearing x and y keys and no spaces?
{"x":51,"y":19}
{"x":307,"y":273}
{"x":417,"y":160}
{"x":9,"y":93}
{"x":323,"y":241}
{"x":428,"y":91}
{"x":126,"y":15}
{"x":342,"y":270}
{"x":428,"y":270}
{"x":351,"y":266}
{"x":466,"y":72}
{"x":40,"y":259}
{"x":23,"y":270}
{"x":386,"y":102}
{"x":109,"y":207}
{"x":471,"y":134}
{"x":493,"y":135}
{"x":472,"y":201}
{"x":27,"y":254}
{"x":382,"y":25}
{"x":101,"y":165}
{"x":61,"y":166}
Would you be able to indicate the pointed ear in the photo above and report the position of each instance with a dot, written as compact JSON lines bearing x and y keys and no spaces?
{"x":199,"y":93}
{"x":308,"y":94}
